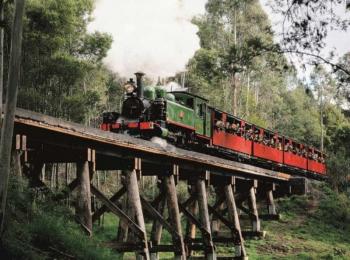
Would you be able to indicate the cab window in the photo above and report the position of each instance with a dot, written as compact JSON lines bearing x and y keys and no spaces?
{"x":189,"y":102}
{"x":200,"y":109}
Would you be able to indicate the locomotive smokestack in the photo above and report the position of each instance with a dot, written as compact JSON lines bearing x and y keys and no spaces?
{"x":139,"y":84}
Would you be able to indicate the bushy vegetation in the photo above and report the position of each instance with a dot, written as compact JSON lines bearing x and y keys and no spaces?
{"x":62,"y":62}
{"x":334,"y":209}
{"x":314,"y":226}
{"x":43,"y":228}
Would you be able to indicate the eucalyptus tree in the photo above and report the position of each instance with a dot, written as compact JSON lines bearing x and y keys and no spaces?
{"x":64,"y":75}
{"x":232,"y":61}
{"x":343,"y":80}
{"x":11,"y":101}
{"x":2,"y":3}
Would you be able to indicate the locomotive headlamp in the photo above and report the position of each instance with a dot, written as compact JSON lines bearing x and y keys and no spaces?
{"x":129,"y":88}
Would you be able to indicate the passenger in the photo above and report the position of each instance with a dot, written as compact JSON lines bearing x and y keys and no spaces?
{"x":290,"y":148}
{"x":220,"y":124}
{"x":234,"y":127}
{"x":256,"y":136}
{"x":266,"y":140}
{"x":319,"y":158}
{"x":249,"y":134}
{"x":239,"y":130}
{"x":304,"y":152}
{"x":310,"y":155}
{"x":279,"y":146}
{"x":286,"y":147}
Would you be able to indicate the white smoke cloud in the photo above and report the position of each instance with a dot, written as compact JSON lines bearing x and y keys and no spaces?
{"x":154,"y":36}
{"x":163,"y":144}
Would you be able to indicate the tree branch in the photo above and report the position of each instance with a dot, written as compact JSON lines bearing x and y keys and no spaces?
{"x":337,"y":66}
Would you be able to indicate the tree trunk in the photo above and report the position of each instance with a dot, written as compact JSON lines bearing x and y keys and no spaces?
{"x":52,"y":179}
{"x":234,"y":74}
{"x":66,"y":174}
{"x":57,"y":183}
{"x":2,"y":6}
{"x":11,"y":101}
{"x":247,"y":96}
{"x":234,"y":93}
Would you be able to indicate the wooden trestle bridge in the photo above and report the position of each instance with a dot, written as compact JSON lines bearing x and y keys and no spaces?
{"x":41,"y":139}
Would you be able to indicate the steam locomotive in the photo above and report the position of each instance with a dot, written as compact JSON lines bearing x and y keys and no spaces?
{"x":186,"y":120}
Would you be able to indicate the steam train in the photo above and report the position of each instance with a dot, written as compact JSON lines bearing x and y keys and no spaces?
{"x":186,"y":120}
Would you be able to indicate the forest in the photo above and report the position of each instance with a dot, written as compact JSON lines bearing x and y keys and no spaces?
{"x":239,"y":68}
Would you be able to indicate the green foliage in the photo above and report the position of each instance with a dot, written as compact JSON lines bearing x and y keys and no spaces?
{"x":343,"y":79}
{"x":63,"y":74}
{"x":40,"y":228}
{"x":341,"y":138}
{"x":95,"y":46}
{"x":338,"y":167}
{"x":293,"y":205}
{"x":334,"y":209}
{"x":233,"y":62}
{"x":53,"y":231}
{"x":315,"y":226}
{"x":293,"y":119}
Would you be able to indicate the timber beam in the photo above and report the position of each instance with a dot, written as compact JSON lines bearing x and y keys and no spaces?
{"x":117,"y":211}
{"x":174,"y":211}
{"x":83,"y":205}
{"x":198,"y":198}
{"x":114,"y":199}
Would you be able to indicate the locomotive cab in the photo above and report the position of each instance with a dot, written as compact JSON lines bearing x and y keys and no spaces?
{"x":198,"y":114}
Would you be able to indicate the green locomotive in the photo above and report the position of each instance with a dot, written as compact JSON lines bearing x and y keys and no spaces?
{"x":178,"y":116}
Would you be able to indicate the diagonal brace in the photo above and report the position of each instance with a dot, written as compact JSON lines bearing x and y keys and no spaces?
{"x":155,"y":214}
{"x":117,"y":211}
{"x":104,"y":208}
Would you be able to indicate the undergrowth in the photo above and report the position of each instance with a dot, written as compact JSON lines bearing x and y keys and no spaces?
{"x":314,"y":226}
{"x":39,"y":227}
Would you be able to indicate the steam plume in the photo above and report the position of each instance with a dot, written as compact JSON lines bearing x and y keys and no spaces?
{"x":163,"y":144}
{"x":155,"y":36}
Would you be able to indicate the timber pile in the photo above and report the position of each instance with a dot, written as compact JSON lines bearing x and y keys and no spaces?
{"x":51,"y":124}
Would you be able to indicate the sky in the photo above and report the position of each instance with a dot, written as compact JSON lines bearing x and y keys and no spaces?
{"x":337,"y":41}
{"x":158,"y":38}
